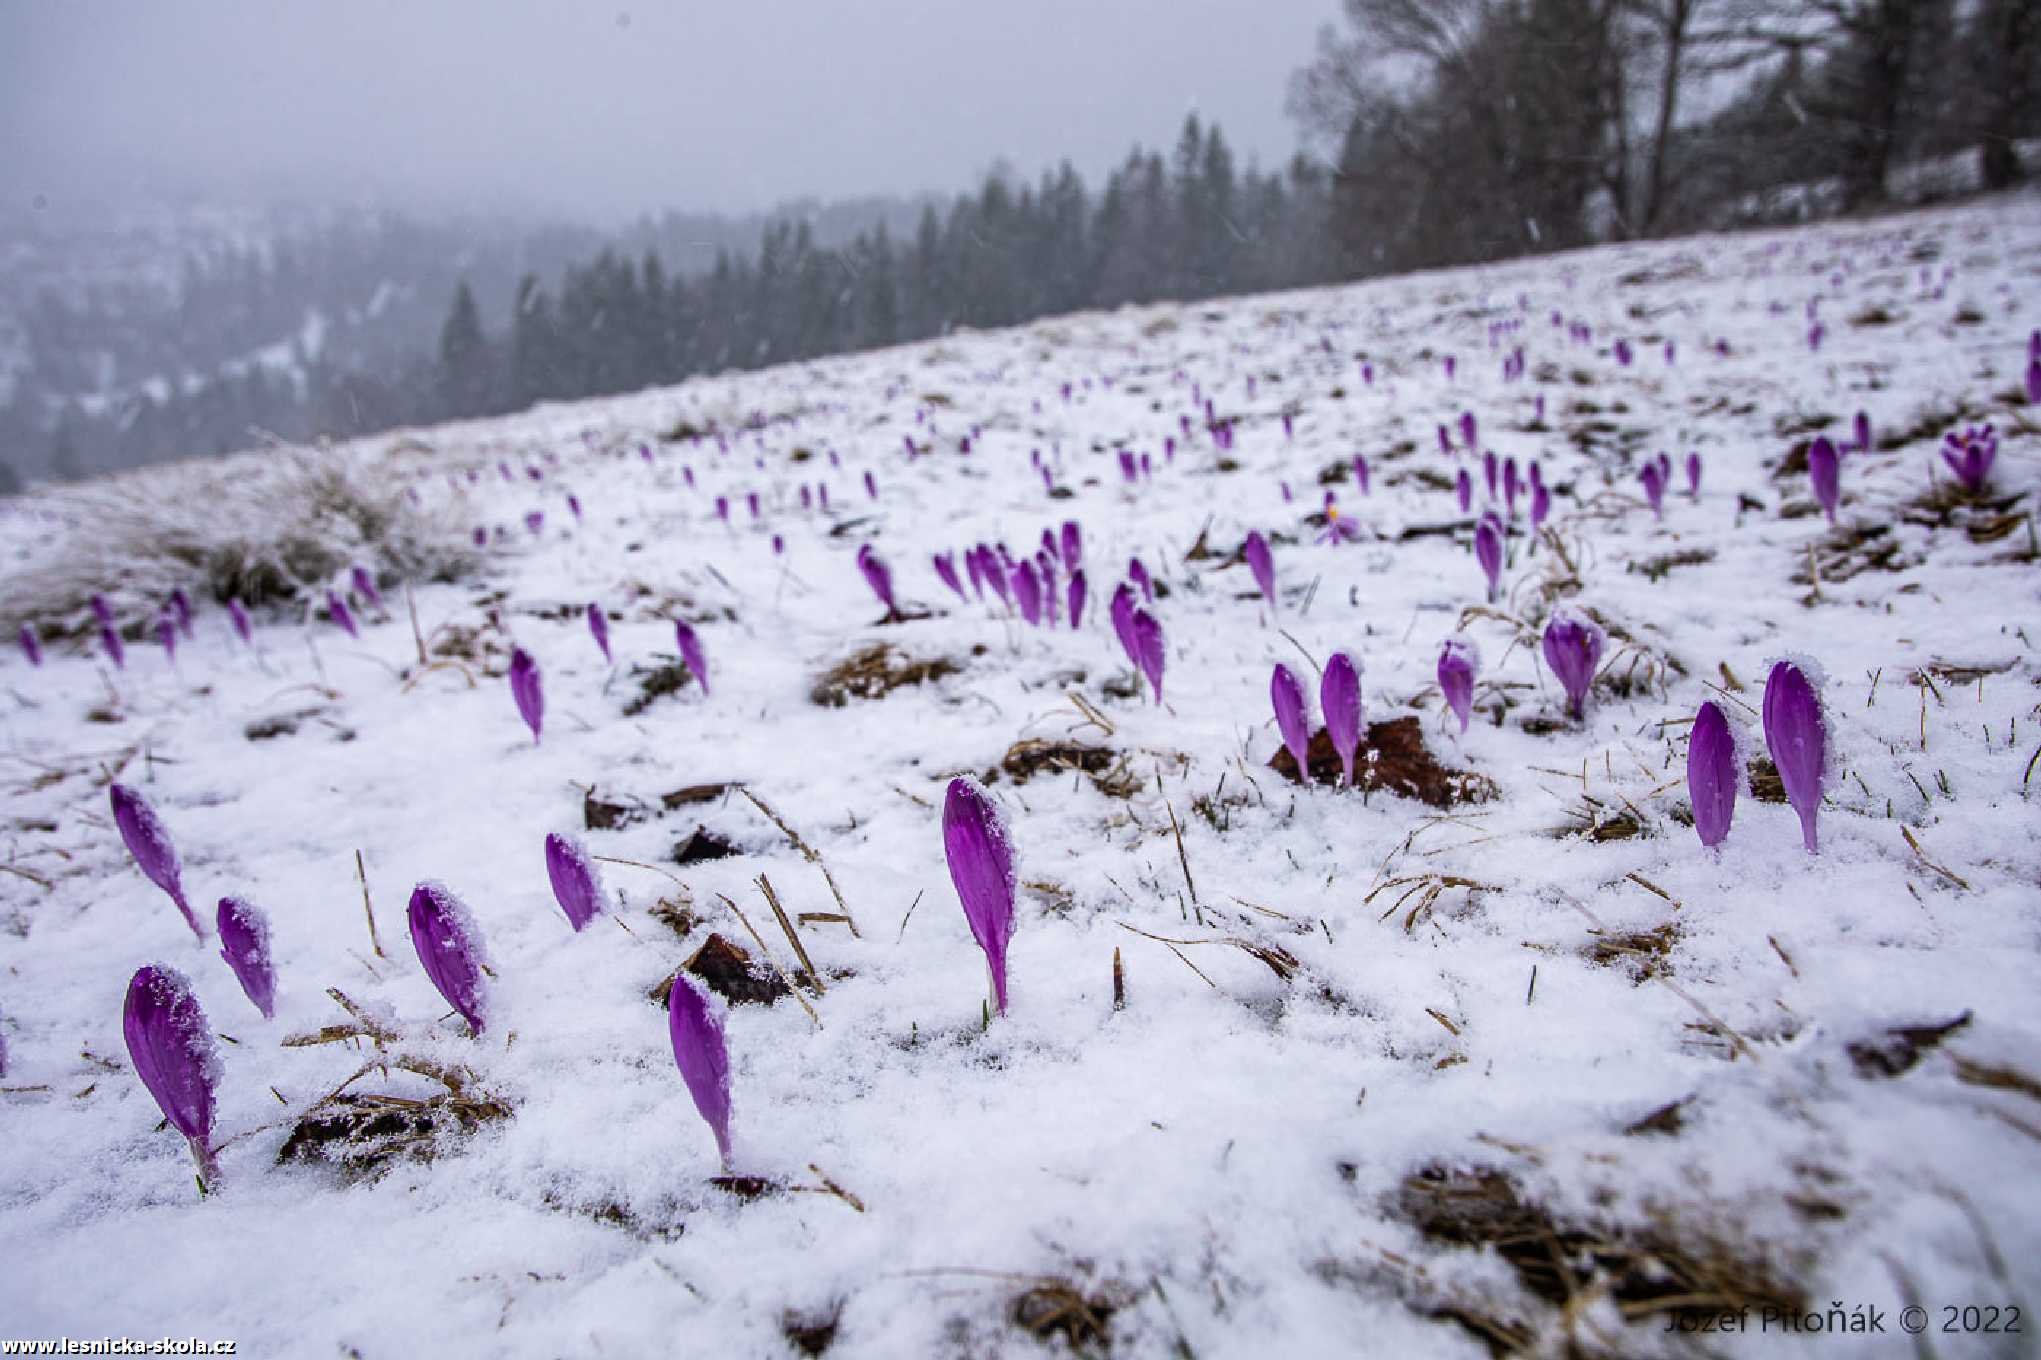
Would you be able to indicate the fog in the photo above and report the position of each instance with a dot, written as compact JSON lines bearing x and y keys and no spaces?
{"x":603,"y":112}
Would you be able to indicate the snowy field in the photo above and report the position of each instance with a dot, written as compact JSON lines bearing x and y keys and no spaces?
{"x":1489,"y":1055}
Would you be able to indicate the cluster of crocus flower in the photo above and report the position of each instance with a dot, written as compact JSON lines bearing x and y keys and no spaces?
{"x":1970,"y":453}
{"x":1795,"y":734}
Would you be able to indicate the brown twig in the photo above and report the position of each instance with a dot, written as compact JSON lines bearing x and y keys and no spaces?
{"x":367,"y":909}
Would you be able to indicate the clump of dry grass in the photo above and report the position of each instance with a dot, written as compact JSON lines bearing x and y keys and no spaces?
{"x":875,"y":671}
{"x":265,"y":528}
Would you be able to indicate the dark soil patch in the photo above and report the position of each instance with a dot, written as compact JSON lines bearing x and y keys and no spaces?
{"x":1393,"y":756}
{"x":1107,"y":768}
{"x":606,"y":814}
{"x":364,"y":1135}
{"x":727,"y":969}
{"x":811,"y":1333}
{"x":1665,"y":1121}
{"x":874,"y":672}
{"x":703,"y":845}
{"x":1655,"y":568}
{"x":655,"y":684}
{"x":1060,"y":1308}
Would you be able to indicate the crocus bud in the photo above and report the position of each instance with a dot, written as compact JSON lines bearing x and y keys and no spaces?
{"x":1288,"y":697}
{"x":450,"y":949}
{"x":102,"y":610}
{"x":1488,"y":551}
{"x":1654,"y":488}
{"x":180,"y":610}
{"x":244,"y":944}
{"x":598,"y":628}
{"x":1468,"y":431}
{"x":878,"y":576}
{"x":526,"y":690}
{"x":1072,"y":545}
{"x":1459,"y":662}
{"x":1121,"y":613}
{"x":337,"y":610}
{"x":148,"y":840}
{"x":1488,"y":471}
{"x":172,"y":1048}
{"x":1262,"y":564}
{"x":1694,"y":475}
{"x":365,"y":586}
{"x":1541,"y":504}
{"x":1361,"y":473}
{"x":1824,"y":471}
{"x":946,"y":568}
{"x":981,"y":866}
{"x":1027,"y":591}
{"x":1862,"y":429}
{"x":1712,"y":774}
{"x":576,"y":886}
{"x":1573,"y":649}
{"x":1798,"y":739}
{"x":1075,"y":597}
{"x":31,"y":645}
{"x":1970,"y":455}
{"x":702,"y":1056}
{"x":1463,"y":487}
{"x":1138,"y":574}
{"x":2034,"y":382}
{"x":1148,"y":646}
{"x":238,"y":616}
{"x":691,"y":652}
{"x":116,"y":651}
{"x":166,"y":634}
{"x":1511,"y":484}
{"x":1339,"y":695}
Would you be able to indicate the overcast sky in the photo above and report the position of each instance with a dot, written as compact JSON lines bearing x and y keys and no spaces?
{"x":605,"y":111}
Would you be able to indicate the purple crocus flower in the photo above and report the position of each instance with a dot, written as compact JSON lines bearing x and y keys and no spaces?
{"x":534,"y":521}
{"x":1339,"y":696}
{"x":946,"y":568}
{"x":1458,"y":664}
{"x":148,"y":840}
{"x":1072,"y":545}
{"x":1862,"y":429}
{"x":166,"y":635}
{"x":723,"y":508}
{"x":1970,"y":455}
{"x":180,"y":610}
{"x":1488,"y":551}
{"x":1463,"y":487}
{"x":1468,"y":430}
{"x":1694,"y":475}
{"x":751,"y":503}
{"x":871,"y":486}
{"x":1148,"y":648}
{"x":691,"y":652}
{"x":980,"y":857}
{"x":102,"y":610}
{"x":1027,"y":592}
{"x":450,"y":949}
{"x":703,"y":1057}
{"x":116,"y":651}
{"x":1138,"y":574}
{"x":598,"y":628}
{"x":879,"y":577}
{"x":1511,"y":484}
{"x":1573,"y":649}
{"x":1130,"y":471}
{"x":1075,"y":597}
{"x":2034,"y":382}
{"x":365,"y":586}
{"x":244,"y":944}
{"x":1654,"y":488}
{"x":1262,"y":564}
{"x":526,"y":690}
{"x":171,"y":1045}
{"x":1445,"y":442}
{"x":994,"y":572}
{"x":1361,"y":473}
{"x":574,"y":506}
{"x":342,"y":616}
{"x":481,"y":536}
{"x":1288,"y":698}
{"x":237,"y":614}
{"x":1824,"y":471}
{"x":31,"y":645}
{"x":1488,"y":471}
{"x":1712,"y":774}
{"x":1121,"y":613}
{"x":1798,"y":738}
{"x":576,"y":885}
{"x":1541,"y":503}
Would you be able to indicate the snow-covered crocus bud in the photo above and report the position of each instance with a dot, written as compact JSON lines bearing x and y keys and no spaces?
{"x":1488,"y":551}
{"x":691,"y":652}
{"x":598,"y":628}
{"x":172,"y":1048}
{"x":1148,"y":648}
{"x":1970,"y":455}
{"x":1074,"y":597}
{"x":180,"y":610}
{"x":1798,"y":739}
{"x":1459,"y":662}
{"x":148,"y":840}
{"x":702,"y":1056}
{"x":878,"y":576}
{"x":237,"y":614}
{"x":946,"y":569}
{"x":1288,"y":698}
{"x":1463,"y":488}
{"x":1339,"y":696}
{"x":526,"y":691}
{"x":576,"y":885}
{"x":1712,"y":774}
{"x":31,"y":645}
{"x":1824,"y":472}
{"x":1694,"y":475}
{"x":1573,"y":649}
{"x":342,"y":616}
{"x":244,"y":944}
{"x":981,"y":866}
{"x":1263,"y":564}
{"x":364,"y":583}
{"x":449,"y":948}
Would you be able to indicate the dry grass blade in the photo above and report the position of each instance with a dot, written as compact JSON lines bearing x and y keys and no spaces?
{"x":793,"y":938}
{"x":367,"y":908}
{"x":1278,"y":960}
{"x":1181,"y":858}
{"x":766,"y":955}
{"x":809,"y":853}
{"x":1953,"y":877}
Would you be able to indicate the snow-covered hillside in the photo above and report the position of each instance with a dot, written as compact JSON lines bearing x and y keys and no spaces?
{"x":1489,"y":1055}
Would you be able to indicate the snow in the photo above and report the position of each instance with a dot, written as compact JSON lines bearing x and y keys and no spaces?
{"x":1223,"y":1159}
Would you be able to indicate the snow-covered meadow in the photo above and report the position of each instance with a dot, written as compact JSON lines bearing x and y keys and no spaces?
{"x":1491,"y":1055}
